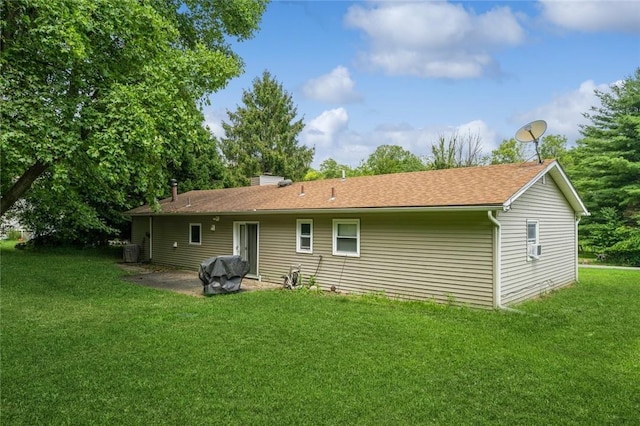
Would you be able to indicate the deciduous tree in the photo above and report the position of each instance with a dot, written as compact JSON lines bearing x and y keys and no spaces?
{"x":456,"y":151}
{"x":509,"y":151}
{"x":555,"y":146}
{"x":103,"y":94}
{"x":331,"y":169}
{"x":391,"y":159}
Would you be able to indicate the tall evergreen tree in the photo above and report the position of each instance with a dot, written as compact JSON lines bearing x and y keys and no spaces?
{"x":262,"y":136}
{"x":607,"y":158}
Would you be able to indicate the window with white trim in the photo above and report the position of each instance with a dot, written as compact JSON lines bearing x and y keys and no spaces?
{"x":304,"y":236}
{"x":533,"y":239}
{"x":195,"y":233}
{"x":346,"y":237}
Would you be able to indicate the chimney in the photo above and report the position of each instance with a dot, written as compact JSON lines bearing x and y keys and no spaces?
{"x":174,"y":190}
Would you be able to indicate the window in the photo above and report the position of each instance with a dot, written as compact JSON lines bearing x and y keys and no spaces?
{"x":346,"y":237}
{"x":195,"y":233}
{"x":533,"y":239}
{"x":304,"y":236}
{"x":532,"y":232}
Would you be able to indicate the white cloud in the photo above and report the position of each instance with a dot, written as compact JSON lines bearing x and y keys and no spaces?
{"x":332,"y":139}
{"x":564,"y":114}
{"x":433,"y":39}
{"x":324,"y":132}
{"x":419,"y":141}
{"x":594,"y":15}
{"x":213,"y":119}
{"x":488,"y":137}
{"x":335,"y":87}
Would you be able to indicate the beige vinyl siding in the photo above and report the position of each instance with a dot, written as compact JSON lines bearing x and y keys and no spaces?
{"x":435,"y":256}
{"x":422,"y":256}
{"x":523,"y":278}
{"x":168,"y":230}
{"x":139,"y":230}
{"x":408,"y":255}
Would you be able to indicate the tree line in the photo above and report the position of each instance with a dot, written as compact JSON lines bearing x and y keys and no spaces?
{"x":102,"y":104}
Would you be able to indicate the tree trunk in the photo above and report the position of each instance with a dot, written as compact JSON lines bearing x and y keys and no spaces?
{"x":21,"y":186}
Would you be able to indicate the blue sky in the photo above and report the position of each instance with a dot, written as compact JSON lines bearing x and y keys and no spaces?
{"x":368,"y":73}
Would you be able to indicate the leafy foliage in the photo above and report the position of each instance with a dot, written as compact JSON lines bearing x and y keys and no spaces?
{"x":457,"y":151}
{"x":103,"y":98}
{"x":330,"y":169}
{"x":555,"y":146}
{"x":391,"y":159}
{"x":551,"y":147}
{"x":262,"y":136}
{"x":627,"y":251}
{"x":509,"y":151}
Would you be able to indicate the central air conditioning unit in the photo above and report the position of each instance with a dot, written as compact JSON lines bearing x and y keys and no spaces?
{"x":534,"y":250}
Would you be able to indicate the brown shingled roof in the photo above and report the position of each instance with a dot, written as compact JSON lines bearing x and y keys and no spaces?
{"x":486,"y":186}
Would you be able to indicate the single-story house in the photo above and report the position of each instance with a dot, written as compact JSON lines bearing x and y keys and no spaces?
{"x":484,"y":236}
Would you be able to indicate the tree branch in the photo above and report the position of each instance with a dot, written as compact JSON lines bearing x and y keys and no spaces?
{"x":21,"y":186}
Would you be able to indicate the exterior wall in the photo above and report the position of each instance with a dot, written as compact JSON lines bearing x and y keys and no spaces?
{"x":168,"y":230}
{"x":139,"y":235}
{"x":521,"y":277}
{"x":439,"y":256}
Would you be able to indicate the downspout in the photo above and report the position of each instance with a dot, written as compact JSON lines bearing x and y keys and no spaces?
{"x":497,"y":265}
{"x":576,"y":249}
{"x":497,"y":256}
{"x":150,"y":238}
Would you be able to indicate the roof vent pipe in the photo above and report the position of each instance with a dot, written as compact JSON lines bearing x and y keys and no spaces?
{"x":333,"y":193}
{"x":344,"y":177}
{"x":301,"y":189}
{"x":174,"y":190}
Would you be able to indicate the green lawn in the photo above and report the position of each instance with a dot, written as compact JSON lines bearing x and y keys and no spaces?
{"x":81,"y":346}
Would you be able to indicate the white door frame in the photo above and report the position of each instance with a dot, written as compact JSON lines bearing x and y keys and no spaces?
{"x":237,"y":243}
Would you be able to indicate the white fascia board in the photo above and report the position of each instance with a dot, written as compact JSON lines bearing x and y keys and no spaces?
{"x":568,"y":190}
{"x":480,"y":208}
{"x":388,"y":209}
{"x":563,"y":183}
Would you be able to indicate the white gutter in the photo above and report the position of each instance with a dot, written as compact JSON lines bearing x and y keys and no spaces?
{"x":478,"y":208}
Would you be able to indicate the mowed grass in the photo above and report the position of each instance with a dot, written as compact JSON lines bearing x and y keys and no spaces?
{"x":81,"y":346}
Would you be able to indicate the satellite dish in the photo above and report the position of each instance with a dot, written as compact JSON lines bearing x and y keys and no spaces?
{"x":531,"y":132}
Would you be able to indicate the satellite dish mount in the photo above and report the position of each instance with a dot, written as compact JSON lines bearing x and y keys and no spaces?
{"x":531,"y":132}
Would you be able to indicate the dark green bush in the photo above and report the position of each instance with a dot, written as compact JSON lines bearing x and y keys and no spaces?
{"x":625,"y":252}
{"x":14,"y":235}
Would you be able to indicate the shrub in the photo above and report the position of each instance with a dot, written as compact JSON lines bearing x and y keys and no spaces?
{"x":626,"y":252}
{"x":14,"y":235}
